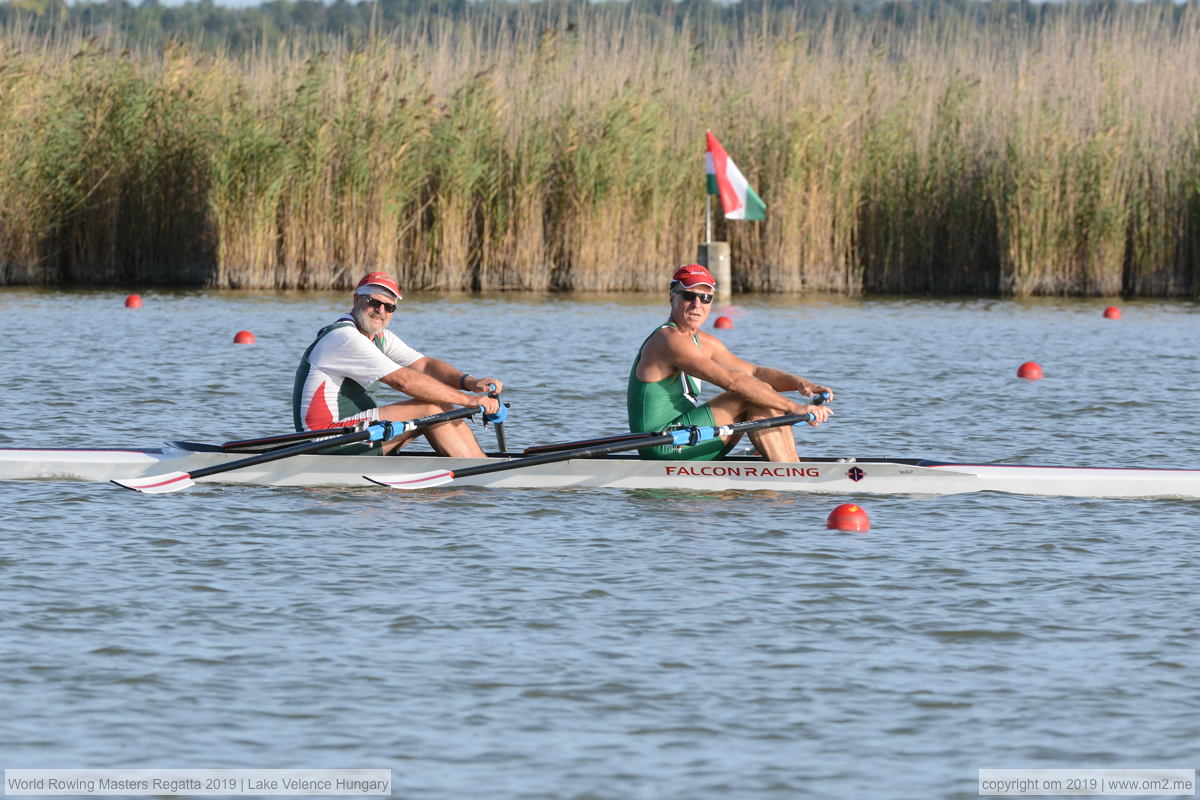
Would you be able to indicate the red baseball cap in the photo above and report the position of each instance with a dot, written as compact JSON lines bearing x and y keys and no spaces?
{"x":693,"y":275}
{"x":373,"y":282}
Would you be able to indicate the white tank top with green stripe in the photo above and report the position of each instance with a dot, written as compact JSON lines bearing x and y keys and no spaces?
{"x":338,"y":369}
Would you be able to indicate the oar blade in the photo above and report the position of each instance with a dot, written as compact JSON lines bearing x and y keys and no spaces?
{"x":423,"y":480}
{"x":158,"y":484}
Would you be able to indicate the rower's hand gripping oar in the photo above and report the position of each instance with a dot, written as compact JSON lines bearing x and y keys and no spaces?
{"x":379,"y":431}
{"x":683,"y":437}
{"x":497,"y":418}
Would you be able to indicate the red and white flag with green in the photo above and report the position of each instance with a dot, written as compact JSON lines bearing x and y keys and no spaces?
{"x":724,"y":178}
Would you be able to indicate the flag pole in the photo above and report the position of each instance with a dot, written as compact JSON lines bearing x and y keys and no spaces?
{"x":707,"y":217}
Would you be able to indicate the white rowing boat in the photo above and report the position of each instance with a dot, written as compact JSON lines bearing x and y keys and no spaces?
{"x":825,"y":475}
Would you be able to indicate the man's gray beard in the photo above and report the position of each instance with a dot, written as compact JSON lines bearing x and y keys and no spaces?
{"x":361,"y":319}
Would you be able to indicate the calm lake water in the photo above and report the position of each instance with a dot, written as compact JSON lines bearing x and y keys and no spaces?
{"x":597,"y":643}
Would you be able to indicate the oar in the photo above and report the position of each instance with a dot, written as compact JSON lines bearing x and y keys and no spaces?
{"x":684,"y":436}
{"x":817,"y":400}
{"x":374,"y":432}
{"x":285,"y":438}
{"x":499,"y":422}
{"x":550,"y":448}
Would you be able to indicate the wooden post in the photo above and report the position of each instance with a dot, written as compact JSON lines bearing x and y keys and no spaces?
{"x":715,"y":256}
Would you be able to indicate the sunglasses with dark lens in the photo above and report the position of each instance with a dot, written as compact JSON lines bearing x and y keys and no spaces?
{"x":690,"y":296}
{"x":388,"y":307}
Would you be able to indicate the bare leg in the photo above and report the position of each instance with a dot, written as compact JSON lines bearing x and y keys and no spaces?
{"x":452,"y":438}
{"x":775,"y":444}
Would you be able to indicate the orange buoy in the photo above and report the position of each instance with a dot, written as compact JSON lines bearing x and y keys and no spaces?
{"x":243,"y":337}
{"x":723,"y":323}
{"x":1030,"y":371}
{"x":1112,"y":312}
{"x":848,"y":517}
{"x":133,"y":301}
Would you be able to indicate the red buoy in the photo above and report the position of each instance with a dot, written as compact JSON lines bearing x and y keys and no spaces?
{"x":243,"y":337}
{"x":1030,"y":371}
{"x":133,"y":301}
{"x":1112,"y":312}
{"x":723,"y":323}
{"x":848,"y":517}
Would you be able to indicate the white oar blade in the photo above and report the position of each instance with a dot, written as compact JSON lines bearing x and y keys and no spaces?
{"x":424,"y":480}
{"x":158,"y":484}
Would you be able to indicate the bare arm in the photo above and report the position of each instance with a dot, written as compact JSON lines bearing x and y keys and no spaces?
{"x":777,"y":379}
{"x":420,"y":385}
{"x":454,"y":377}
{"x":782,"y":381}
{"x":714,"y":363}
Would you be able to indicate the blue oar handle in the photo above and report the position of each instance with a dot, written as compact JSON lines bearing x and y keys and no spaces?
{"x":819,"y":399}
{"x":501,"y":413}
{"x":692,"y":435}
{"x":498,"y":418}
{"x":382,"y":430}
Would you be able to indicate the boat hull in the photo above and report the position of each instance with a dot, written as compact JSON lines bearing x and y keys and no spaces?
{"x":825,"y":476}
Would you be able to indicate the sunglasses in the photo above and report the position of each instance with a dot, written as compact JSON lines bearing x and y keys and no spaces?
{"x":690,"y":296}
{"x":388,"y":307}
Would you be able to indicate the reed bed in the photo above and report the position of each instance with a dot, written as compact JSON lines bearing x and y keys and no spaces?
{"x":549,"y":153}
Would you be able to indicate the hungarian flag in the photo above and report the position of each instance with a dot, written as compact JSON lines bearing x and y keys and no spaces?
{"x":725,"y":179}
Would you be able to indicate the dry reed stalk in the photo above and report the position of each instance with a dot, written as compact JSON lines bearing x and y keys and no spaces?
{"x":556,"y":153}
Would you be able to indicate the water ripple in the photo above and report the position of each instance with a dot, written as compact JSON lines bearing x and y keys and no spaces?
{"x":609,"y":644}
